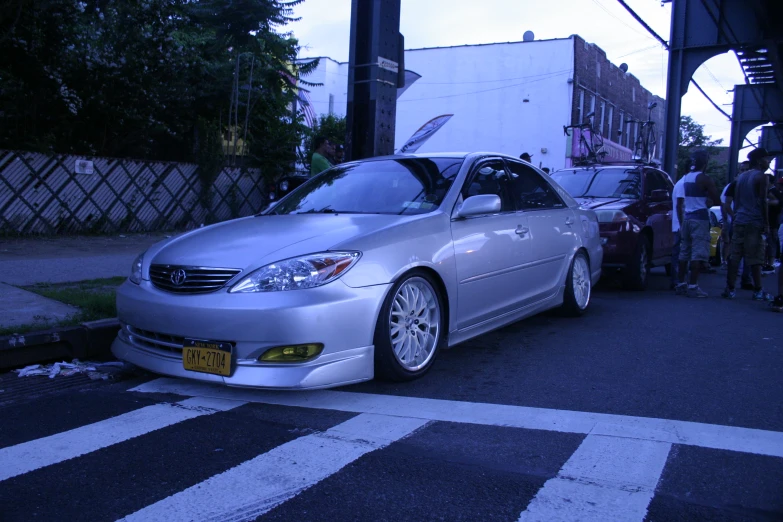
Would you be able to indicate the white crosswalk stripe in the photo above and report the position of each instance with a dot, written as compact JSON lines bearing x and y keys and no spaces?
{"x":29,"y":456}
{"x":607,"y":478}
{"x":258,"y":485}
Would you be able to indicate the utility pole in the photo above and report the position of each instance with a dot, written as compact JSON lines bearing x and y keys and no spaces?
{"x":376,"y":70}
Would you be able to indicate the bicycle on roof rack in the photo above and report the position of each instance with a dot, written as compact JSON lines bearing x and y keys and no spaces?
{"x":591,"y":143}
{"x":645,"y":146}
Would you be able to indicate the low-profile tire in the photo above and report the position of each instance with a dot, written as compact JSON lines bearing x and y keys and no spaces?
{"x":411,"y":328}
{"x":579,"y":287}
{"x":637,"y":272}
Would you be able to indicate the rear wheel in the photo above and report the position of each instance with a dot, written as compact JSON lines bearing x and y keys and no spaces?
{"x":637,"y":272}
{"x":410,"y":329}
{"x":579,"y":286}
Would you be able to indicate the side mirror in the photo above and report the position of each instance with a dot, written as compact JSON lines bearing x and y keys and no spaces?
{"x":660,"y":195}
{"x":479,"y":205}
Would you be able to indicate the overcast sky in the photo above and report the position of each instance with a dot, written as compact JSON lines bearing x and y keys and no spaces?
{"x":324,"y":30}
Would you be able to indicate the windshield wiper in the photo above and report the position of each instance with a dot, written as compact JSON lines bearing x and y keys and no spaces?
{"x":325,"y":210}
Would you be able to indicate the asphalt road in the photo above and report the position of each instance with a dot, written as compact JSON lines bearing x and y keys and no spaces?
{"x":650,"y":407}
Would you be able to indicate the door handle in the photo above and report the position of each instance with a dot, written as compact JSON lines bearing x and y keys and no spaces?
{"x":569,"y":221}
{"x":522,"y":230}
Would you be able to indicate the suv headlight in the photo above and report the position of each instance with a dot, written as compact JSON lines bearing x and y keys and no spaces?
{"x":298,"y":273}
{"x":135,"y":275}
{"x":611,"y":216}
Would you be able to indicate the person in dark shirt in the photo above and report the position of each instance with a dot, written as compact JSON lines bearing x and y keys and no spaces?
{"x":774,"y":199}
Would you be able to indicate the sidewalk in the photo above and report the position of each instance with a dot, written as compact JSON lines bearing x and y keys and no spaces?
{"x":27,"y":261}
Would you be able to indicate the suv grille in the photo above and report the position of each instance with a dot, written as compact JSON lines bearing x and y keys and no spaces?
{"x":190,"y":279}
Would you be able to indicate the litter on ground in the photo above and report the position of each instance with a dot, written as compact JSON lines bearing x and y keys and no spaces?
{"x":93,"y":370}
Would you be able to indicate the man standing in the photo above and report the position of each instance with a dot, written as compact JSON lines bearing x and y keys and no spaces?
{"x":677,"y":193}
{"x":751,"y":226}
{"x":526,"y":157}
{"x":694,"y":216}
{"x":322,"y":148}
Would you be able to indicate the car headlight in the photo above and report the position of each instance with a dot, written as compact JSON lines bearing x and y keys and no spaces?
{"x":611,"y":216}
{"x":135,"y":276}
{"x":298,"y":273}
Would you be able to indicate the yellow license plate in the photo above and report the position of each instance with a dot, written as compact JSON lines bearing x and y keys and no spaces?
{"x":207,"y":356}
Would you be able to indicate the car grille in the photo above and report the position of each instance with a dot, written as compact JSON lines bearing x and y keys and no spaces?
{"x":170,"y":344}
{"x":196,"y":280}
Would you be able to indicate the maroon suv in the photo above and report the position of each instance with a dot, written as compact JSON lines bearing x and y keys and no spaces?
{"x":634,"y":208}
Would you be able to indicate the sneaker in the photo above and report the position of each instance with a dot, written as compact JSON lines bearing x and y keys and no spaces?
{"x":777,"y":304}
{"x":767,"y":269}
{"x":681,"y":289}
{"x":761,"y":295}
{"x":696,"y":292}
{"x":724,"y":266}
{"x":728,"y":294}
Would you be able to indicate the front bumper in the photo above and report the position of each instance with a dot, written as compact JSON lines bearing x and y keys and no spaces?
{"x":619,"y":244}
{"x":155,"y":324}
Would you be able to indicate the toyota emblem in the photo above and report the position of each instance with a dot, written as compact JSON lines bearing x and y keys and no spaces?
{"x":178,"y":277}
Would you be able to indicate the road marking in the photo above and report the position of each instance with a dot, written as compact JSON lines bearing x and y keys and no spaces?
{"x":607,"y":478}
{"x":252,"y":488}
{"x":29,"y":456}
{"x":745,"y":440}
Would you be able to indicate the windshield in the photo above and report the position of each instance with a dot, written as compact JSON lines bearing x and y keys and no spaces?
{"x":601,"y":183}
{"x":399,"y":186}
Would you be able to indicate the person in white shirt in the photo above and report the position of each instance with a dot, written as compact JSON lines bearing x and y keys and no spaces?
{"x":678,"y":191}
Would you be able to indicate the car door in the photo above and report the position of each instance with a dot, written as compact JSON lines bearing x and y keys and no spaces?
{"x":490,"y":250}
{"x":553,"y":227}
{"x":659,"y":213}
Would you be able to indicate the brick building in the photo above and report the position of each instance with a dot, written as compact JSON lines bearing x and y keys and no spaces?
{"x":509,"y":97}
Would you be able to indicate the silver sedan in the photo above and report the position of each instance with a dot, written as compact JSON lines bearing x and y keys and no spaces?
{"x":368,"y":269}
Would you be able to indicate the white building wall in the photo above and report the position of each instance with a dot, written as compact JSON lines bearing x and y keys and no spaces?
{"x":334,"y":77}
{"x":483,"y":86}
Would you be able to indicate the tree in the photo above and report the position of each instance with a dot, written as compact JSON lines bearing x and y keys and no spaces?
{"x":692,"y":137}
{"x":150,"y":79}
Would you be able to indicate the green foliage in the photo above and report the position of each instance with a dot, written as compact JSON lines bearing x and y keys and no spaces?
{"x":329,"y":125}
{"x":692,"y":137}
{"x":151,"y":79}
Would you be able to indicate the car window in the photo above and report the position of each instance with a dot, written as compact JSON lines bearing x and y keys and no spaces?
{"x":530,"y":191}
{"x":489,"y":177}
{"x":398,"y":186}
{"x":601,"y":182}
{"x":653,"y":181}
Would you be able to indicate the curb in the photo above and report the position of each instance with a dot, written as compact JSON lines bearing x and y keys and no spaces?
{"x":86,"y":341}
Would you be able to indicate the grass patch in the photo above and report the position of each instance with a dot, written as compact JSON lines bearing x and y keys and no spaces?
{"x":95,"y":298}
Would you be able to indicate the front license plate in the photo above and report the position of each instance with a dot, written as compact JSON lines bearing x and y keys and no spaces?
{"x":207,"y":356}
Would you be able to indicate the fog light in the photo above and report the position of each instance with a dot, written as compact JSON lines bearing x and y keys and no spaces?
{"x":294,"y":353}
{"x":604,"y":240}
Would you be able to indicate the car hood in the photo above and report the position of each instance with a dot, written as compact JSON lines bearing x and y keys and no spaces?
{"x":248,"y":243}
{"x":604,"y":203}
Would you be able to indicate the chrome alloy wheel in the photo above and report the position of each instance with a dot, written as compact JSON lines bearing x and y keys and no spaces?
{"x":581,"y":282}
{"x":414,"y":324}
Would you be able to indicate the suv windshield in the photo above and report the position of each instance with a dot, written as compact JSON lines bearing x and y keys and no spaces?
{"x":601,"y":183}
{"x":398,"y":186}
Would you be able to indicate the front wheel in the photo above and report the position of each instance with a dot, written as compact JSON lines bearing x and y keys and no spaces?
{"x":637,"y":272}
{"x":579,"y":286}
{"x":410,"y":329}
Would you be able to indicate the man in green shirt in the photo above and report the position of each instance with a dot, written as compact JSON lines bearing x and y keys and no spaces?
{"x":323,"y":149}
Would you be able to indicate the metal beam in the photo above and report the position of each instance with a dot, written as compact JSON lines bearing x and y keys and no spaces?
{"x":373,"y":78}
{"x":754,"y":105}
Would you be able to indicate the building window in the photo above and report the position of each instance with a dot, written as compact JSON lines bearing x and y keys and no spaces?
{"x":331,"y":104}
{"x":603,"y":117}
{"x":633,"y":94}
{"x":592,"y":104}
{"x":581,"y":107}
{"x":628,"y":134}
{"x":610,"y":122}
{"x":598,"y":69}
